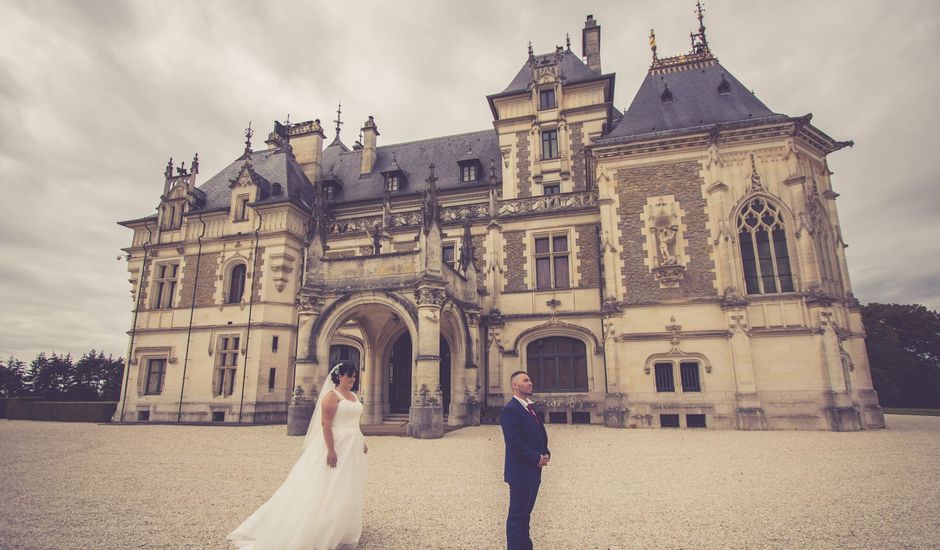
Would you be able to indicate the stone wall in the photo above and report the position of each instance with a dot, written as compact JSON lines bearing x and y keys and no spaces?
{"x":577,"y":156}
{"x":479,"y":252}
{"x":257,"y":274}
{"x":588,"y":268}
{"x":205,"y":285}
{"x":634,"y":186}
{"x":523,"y":170}
{"x":515,"y":253}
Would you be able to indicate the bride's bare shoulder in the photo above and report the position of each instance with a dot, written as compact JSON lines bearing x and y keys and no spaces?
{"x":330,"y":398}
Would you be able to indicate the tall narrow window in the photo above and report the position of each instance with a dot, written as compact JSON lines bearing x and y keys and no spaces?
{"x":549,"y":144}
{"x":272,"y":373}
{"x":241,"y":208}
{"x":224,"y":381}
{"x":557,"y":363}
{"x":449,"y":255}
{"x":164,"y":285}
{"x":156,"y":368}
{"x":688,"y":373}
{"x":547,"y":98}
{"x":664,"y":380}
{"x":551,"y":262}
{"x":236,"y":284}
{"x":274,"y":344}
{"x":764,"y":254}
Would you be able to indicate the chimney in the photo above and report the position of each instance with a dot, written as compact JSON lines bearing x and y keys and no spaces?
{"x":369,"y":132}
{"x":591,"y":44}
{"x":306,"y":139}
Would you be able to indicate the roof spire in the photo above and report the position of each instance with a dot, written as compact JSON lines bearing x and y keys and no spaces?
{"x":653,"y":43}
{"x":248,"y":133}
{"x":699,"y":41}
{"x":531,"y":52}
{"x":339,"y":119}
{"x":568,"y":41}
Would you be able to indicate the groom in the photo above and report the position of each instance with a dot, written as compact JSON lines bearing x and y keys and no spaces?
{"x":526,"y":454}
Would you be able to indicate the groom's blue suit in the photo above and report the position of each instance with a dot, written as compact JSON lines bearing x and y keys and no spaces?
{"x":526,"y":442}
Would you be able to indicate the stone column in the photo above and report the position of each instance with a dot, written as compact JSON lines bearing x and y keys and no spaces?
{"x":305,"y":366}
{"x":749,"y":412}
{"x":426,"y":416}
{"x":465,"y":403}
{"x":840,"y":412}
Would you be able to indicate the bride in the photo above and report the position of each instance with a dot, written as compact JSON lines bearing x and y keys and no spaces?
{"x":319,"y":505}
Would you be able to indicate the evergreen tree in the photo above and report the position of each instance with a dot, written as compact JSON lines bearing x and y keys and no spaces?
{"x":12,"y":378}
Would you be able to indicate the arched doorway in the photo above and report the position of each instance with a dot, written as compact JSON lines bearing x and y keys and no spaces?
{"x":399,"y":375}
{"x":445,"y":375}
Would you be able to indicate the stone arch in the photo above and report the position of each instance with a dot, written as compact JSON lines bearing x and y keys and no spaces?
{"x":555,"y":329}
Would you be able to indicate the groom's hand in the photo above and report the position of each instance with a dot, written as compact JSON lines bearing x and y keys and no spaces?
{"x":543,"y":461}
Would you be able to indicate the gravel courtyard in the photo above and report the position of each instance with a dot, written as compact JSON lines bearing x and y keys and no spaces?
{"x":98,"y":486}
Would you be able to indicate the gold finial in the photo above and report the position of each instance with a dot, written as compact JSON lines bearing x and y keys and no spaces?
{"x":653,"y":43}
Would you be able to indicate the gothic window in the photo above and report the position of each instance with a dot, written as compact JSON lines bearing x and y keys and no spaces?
{"x":449,"y":258}
{"x":688,"y":376}
{"x":156,"y":369}
{"x":236,"y":284}
{"x":763,"y":240}
{"x":552,"y":189}
{"x":164,"y":285}
{"x":223,"y":383}
{"x":551,"y":262}
{"x":557,"y":363}
{"x":241,"y":208}
{"x":549,"y":144}
{"x":468,"y":172}
{"x":547,"y":98}
{"x":664,"y":379}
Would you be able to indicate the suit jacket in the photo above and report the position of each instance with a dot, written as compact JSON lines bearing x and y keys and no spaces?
{"x":526,"y":442}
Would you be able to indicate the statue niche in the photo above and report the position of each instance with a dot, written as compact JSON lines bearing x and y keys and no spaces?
{"x":665,"y":244}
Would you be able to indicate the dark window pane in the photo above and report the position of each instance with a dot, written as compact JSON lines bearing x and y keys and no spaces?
{"x":664,"y":380}
{"x":541,"y":246}
{"x":749,"y":263}
{"x":560,"y":244}
{"x":783,"y":260}
{"x":561,"y":272}
{"x":236,"y":285}
{"x":695,"y":421}
{"x":766,"y":262}
{"x":565,"y":374}
{"x":234,"y":342}
{"x":543,"y":273}
{"x":552,"y":189}
{"x":669,"y":421}
{"x":549,"y":373}
{"x":580,"y":372}
{"x":690,"y":380}
{"x":271,"y":376}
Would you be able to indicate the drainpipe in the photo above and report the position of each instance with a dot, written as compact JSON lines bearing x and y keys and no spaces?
{"x":130,"y":350}
{"x":251,"y":301}
{"x":600,"y":290}
{"x":192,"y":309}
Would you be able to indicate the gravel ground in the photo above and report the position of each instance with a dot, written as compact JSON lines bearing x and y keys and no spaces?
{"x":98,"y":486}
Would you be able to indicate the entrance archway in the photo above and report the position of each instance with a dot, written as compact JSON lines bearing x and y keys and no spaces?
{"x":445,"y":375}
{"x":400,"y":361}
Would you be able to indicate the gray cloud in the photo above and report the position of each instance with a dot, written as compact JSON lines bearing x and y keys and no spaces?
{"x":94,"y":97}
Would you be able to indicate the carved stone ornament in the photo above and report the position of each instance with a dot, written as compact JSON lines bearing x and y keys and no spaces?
{"x":549,"y":203}
{"x":665,"y":244}
{"x":309,"y":304}
{"x":733,"y":299}
{"x":432,"y":296}
{"x":473,"y":319}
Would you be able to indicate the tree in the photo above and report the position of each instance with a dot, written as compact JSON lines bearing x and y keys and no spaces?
{"x":11,"y":378}
{"x":904,"y":353}
{"x":49,"y":377}
{"x":97,"y":377}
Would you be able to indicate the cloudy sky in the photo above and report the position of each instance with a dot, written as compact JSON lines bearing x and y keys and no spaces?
{"x":96,"y":95}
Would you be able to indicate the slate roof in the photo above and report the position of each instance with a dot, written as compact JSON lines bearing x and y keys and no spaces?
{"x":271,"y":166}
{"x":412,"y":159}
{"x":696,"y":101}
{"x":572,"y":70}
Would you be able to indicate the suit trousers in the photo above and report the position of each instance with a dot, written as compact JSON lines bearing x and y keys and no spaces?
{"x":521,"y":502}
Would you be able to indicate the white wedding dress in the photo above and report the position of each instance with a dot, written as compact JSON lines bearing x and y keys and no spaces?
{"x":317,"y":507}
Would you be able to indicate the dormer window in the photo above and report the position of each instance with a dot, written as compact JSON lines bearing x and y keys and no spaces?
{"x":241,"y":208}
{"x":329,"y":191}
{"x":470,"y":168}
{"x":547,"y":99}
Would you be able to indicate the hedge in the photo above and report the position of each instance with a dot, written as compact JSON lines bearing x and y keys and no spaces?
{"x":60,"y":411}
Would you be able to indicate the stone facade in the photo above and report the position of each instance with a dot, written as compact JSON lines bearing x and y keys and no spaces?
{"x":648,"y":272}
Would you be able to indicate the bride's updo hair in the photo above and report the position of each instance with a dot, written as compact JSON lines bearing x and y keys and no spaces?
{"x":345,"y":369}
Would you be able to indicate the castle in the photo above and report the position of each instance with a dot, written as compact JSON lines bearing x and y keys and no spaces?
{"x":675,"y":264}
